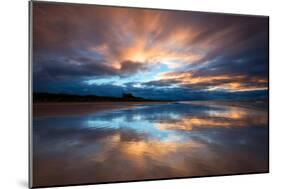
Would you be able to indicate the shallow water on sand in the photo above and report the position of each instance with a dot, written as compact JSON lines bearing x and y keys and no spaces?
{"x":150,"y":142}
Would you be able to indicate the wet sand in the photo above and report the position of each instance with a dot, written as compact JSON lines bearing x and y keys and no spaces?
{"x":78,"y":108}
{"x":106,"y":142}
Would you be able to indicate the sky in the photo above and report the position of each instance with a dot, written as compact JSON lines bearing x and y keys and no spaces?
{"x":154,"y":54}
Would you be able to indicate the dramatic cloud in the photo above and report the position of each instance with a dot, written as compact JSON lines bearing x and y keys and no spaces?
{"x":212,"y":82}
{"x":148,"y":51}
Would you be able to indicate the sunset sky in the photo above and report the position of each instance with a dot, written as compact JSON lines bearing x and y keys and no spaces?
{"x":156,"y":54}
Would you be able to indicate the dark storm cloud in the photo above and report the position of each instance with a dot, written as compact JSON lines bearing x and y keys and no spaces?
{"x":80,"y":68}
{"x":128,"y":67}
{"x":248,"y":56}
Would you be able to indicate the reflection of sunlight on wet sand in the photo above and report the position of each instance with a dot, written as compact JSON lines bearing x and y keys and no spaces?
{"x":189,"y":123}
{"x":231,"y":112}
{"x":239,"y":116}
{"x":149,"y":148}
{"x":157,"y":151}
{"x":143,"y":152}
{"x":231,"y":117}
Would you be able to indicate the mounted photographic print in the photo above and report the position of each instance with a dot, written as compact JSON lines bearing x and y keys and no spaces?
{"x":121,"y":94}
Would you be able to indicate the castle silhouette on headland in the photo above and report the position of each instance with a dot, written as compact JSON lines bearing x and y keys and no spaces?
{"x":61,"y":97}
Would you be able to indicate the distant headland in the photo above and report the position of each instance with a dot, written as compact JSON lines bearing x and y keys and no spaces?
{"x":61,"y":97}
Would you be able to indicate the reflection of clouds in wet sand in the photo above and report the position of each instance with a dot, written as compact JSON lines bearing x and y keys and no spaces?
{"x":159,"y":141}
{"x":230,"y":117}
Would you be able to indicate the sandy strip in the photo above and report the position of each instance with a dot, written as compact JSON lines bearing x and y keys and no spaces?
{"x":71,"y":109}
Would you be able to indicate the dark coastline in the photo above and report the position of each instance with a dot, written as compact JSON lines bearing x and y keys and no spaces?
{"x":59,"y":97}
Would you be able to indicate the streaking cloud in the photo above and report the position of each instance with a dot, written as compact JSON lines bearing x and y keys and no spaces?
{"x":86,"y":49}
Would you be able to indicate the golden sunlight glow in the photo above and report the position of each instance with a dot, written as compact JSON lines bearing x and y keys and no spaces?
{"x":138,"y":151}
{"x":232,"y":83}
{"x":144,"y":48}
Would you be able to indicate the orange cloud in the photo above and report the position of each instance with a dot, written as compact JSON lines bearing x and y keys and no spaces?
{"x":232,"y":83}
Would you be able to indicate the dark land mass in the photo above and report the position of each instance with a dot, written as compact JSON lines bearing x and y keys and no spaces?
{"x":53,"y":97}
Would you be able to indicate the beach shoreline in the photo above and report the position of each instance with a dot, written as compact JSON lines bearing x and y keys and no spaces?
{"x":51,"y":109}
